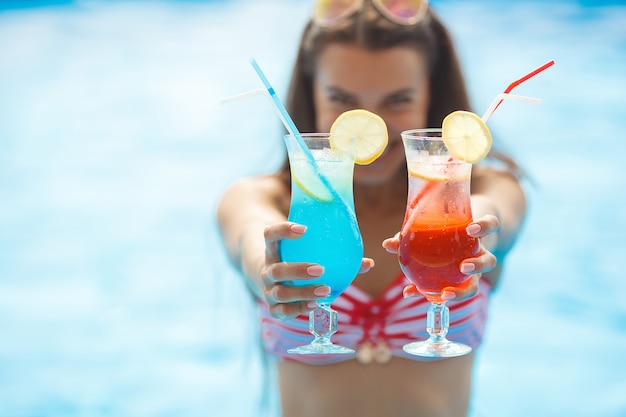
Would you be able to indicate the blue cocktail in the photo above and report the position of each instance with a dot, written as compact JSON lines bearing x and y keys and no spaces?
{"x":332,"y":239}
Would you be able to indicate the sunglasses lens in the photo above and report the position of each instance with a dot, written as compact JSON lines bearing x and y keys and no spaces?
{"x":328,"y":12}
{"x":404,"y":11}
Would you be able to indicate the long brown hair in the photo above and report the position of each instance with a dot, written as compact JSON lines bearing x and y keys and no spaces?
{"x":372,"y":31}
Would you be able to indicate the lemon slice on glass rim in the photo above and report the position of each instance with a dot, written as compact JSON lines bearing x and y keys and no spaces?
{"x":360,"y":133}
{"x":306,"y":178}
{"x":466,"y":136}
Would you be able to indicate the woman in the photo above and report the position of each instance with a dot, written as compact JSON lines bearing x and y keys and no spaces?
{"x":405,"y":70}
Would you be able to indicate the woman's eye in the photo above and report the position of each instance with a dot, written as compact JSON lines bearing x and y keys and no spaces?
{"x":398,"y":100}
{"x":341,"y":99}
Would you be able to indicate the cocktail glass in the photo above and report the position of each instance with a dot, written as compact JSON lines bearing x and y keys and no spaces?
{"x":433,"y":239}
{"x":332,"y":239}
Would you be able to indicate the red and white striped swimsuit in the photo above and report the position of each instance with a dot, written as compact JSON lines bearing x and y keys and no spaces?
{"x":376,"y":328}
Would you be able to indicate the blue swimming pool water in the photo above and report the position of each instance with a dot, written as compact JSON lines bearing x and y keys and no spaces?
{"x":115,"y":297}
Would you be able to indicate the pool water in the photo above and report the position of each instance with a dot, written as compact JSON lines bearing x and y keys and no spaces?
{"x":116,"y":298}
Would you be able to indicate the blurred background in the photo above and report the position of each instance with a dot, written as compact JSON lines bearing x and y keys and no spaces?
{"x":116,"y":298}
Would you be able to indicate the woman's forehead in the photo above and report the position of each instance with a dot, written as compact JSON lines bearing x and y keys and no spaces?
{"x":348,"y":65}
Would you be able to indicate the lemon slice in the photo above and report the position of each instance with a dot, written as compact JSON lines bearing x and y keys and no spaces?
{"x":437,"y":172}
{"x":466,"y":136}
{"x":305,"y":177}
{"x":428,"y":172}
{"x":360,"y":133}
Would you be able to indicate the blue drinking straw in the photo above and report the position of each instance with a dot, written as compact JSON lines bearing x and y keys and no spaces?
{"x":292,"y":129}
{"x":282,"y":111}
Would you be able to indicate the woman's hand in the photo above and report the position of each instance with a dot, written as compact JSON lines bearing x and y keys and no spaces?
{"x":287,"y":301}
{"x":485,"y":261}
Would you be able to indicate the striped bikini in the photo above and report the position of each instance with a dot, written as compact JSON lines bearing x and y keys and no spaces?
{"x":376,"y":328}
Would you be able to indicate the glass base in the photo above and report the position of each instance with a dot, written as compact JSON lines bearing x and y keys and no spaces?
{"x":314,"y":348}
{"x":442,"y":348}
{"x":322,"y":325}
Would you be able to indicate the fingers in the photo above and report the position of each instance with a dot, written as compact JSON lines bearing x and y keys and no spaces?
{"x":392,"y":244}
{"x":483,"y":226}
{"x":366,"y":265}
{"x":479,"y":228}
{"x":485,"y":262}
{"x":283,"y":298}
{"x":291,"y":310}
{"x":410,"y":291}
{"x":463,"y":292}
{"x":275,"y":233}
{"x":286,"y":300}
{"x":474,"y":267}
{"x":282,"y":272}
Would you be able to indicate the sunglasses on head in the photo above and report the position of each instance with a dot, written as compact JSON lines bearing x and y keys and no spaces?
{"x":404,"y":12}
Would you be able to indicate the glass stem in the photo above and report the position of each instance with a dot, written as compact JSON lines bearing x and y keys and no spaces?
{"x":322,"y":324}
{"x":437,"y":321}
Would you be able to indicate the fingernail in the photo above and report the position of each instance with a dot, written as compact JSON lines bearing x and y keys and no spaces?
{"x":408,"y":292}
{"x":298,"y":228}
{"x":311,"y":304}
{"x":448,"y":295}
{"x":315,"y":270}
{"x":473,"y":228}
{"x":466,"y":268}
{"x":322,"y":291}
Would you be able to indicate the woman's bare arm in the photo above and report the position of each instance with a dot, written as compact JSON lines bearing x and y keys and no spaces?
{"x":245,"y":210}
{"x":498,"y":193}
{"x":252,"y":219}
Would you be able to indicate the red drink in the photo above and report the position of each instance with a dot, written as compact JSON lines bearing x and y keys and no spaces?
{"x":430,"y":256}
{"x":433,"y":240}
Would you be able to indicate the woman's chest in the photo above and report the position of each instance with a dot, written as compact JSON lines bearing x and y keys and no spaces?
{"x":386,"y":269}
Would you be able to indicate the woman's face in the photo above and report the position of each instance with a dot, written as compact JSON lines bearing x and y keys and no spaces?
{"x":392,"y":83}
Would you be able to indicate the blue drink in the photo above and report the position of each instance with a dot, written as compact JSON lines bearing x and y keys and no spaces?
{"x":332,"y":239}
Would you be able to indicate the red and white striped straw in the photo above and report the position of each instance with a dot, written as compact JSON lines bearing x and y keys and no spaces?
{"x":505,"y":95}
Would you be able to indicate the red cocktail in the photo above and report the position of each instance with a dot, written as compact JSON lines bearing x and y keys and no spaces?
{"x":433,"y":238}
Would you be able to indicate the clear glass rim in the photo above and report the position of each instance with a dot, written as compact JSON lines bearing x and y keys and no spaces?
{"x":310,"y":135}
{"x":314,"y":142}
{"x":311,"y":138}
{"x":426,"y":133}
